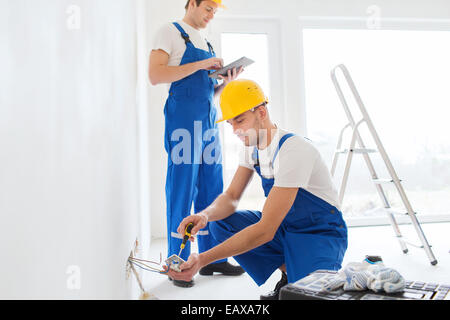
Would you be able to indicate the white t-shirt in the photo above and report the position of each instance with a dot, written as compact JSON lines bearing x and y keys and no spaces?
{"x":168,"y":38}
{"x":297,"y":165}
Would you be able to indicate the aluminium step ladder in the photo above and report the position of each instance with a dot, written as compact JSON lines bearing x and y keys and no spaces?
{"x":361,"y":149}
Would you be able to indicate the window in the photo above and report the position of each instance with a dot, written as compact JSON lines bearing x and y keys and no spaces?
{"x":259,"y":40}
{"x":402,"y":77}
{"x":254,"y":46}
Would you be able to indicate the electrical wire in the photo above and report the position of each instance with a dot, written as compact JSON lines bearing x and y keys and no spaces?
{"x":142,"y":261}
{"x":143,"y":264}
{"x":152,"y":262}
{"x":140,"y":264}
{"x":160,"y":260}
{"x":145,"y":267}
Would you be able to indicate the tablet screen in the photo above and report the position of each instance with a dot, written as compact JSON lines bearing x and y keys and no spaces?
{"x":242,"y":62}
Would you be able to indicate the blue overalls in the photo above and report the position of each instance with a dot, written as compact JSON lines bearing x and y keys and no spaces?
{"x":312,"y":236}
{"x":190,"y":121}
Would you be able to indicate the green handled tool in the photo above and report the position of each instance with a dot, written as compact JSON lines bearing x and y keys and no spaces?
{"x":187,"y":236}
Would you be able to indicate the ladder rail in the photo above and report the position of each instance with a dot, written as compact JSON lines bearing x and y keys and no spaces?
{"x":339,"y":145}
{"x":376,"y":138}
{"x":369,"y":164}
{"x":358,"y":136}
{"x":349,"y":162}
{"x":384,"y":155}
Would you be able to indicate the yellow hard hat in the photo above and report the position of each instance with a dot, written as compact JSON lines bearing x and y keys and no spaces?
{"x":240,"y":96}
{"x":219,"y":2}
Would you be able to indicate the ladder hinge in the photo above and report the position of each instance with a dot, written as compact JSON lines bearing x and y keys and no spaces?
{"x":356,"y":150}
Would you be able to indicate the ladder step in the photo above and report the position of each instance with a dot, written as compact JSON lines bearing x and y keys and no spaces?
{"x":356,"y":150}
{"x":383,"y":181}
{"x":398,"y":211}
{"x":406,"y":240}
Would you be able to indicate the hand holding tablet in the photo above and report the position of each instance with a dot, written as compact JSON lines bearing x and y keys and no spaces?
{"x":242,"y":62}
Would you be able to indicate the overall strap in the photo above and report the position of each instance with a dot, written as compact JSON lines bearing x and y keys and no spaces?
{"x":255,"y":157}
{"x":184,"y":35}
{"x":280,"y":144}
{"x":211,"y":49}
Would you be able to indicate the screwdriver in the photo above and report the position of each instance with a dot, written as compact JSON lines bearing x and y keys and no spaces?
{"x":187,"y":236}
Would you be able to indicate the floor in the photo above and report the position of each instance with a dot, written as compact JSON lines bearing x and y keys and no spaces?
{"x":362,"y":241}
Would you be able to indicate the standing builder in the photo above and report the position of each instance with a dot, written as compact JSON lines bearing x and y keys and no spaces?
{"x":183,"y":58}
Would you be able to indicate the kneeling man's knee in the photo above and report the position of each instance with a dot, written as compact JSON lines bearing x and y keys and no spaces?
{"x":218,"y":230}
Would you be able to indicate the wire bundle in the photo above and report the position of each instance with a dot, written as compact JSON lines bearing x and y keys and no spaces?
{"x":143,"y":264}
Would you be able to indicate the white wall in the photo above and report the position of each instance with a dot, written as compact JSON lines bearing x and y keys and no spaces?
{"x":159,"y":13}
{"x":289,"y":13}
{"x":69,"y":187}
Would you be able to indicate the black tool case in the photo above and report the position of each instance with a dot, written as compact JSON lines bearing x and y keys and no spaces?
{"x":309,"y":288}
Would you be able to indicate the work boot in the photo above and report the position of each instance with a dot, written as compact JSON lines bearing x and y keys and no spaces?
{"x":275,"y":294}
{"x":182,"y":284}
{"x":224,"y":268}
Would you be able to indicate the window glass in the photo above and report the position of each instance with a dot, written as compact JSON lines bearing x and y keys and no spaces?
{"x":255,"y":47}
{"x":402,"y":77}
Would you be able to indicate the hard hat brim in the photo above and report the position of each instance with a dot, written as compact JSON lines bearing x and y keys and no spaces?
{"x":223,"y":119}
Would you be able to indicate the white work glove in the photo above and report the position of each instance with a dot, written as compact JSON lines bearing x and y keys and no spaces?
{"x":352,"y":278}
{"x":358,"y":276}
{"x":385,"y":279}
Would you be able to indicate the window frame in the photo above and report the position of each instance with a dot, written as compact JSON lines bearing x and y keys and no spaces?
{"x":272,"y":28}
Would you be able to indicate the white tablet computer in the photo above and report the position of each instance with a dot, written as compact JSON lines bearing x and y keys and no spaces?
{"x":242,"y":62}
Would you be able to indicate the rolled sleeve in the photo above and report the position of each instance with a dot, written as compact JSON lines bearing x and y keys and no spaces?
{"x":162,"y":40}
